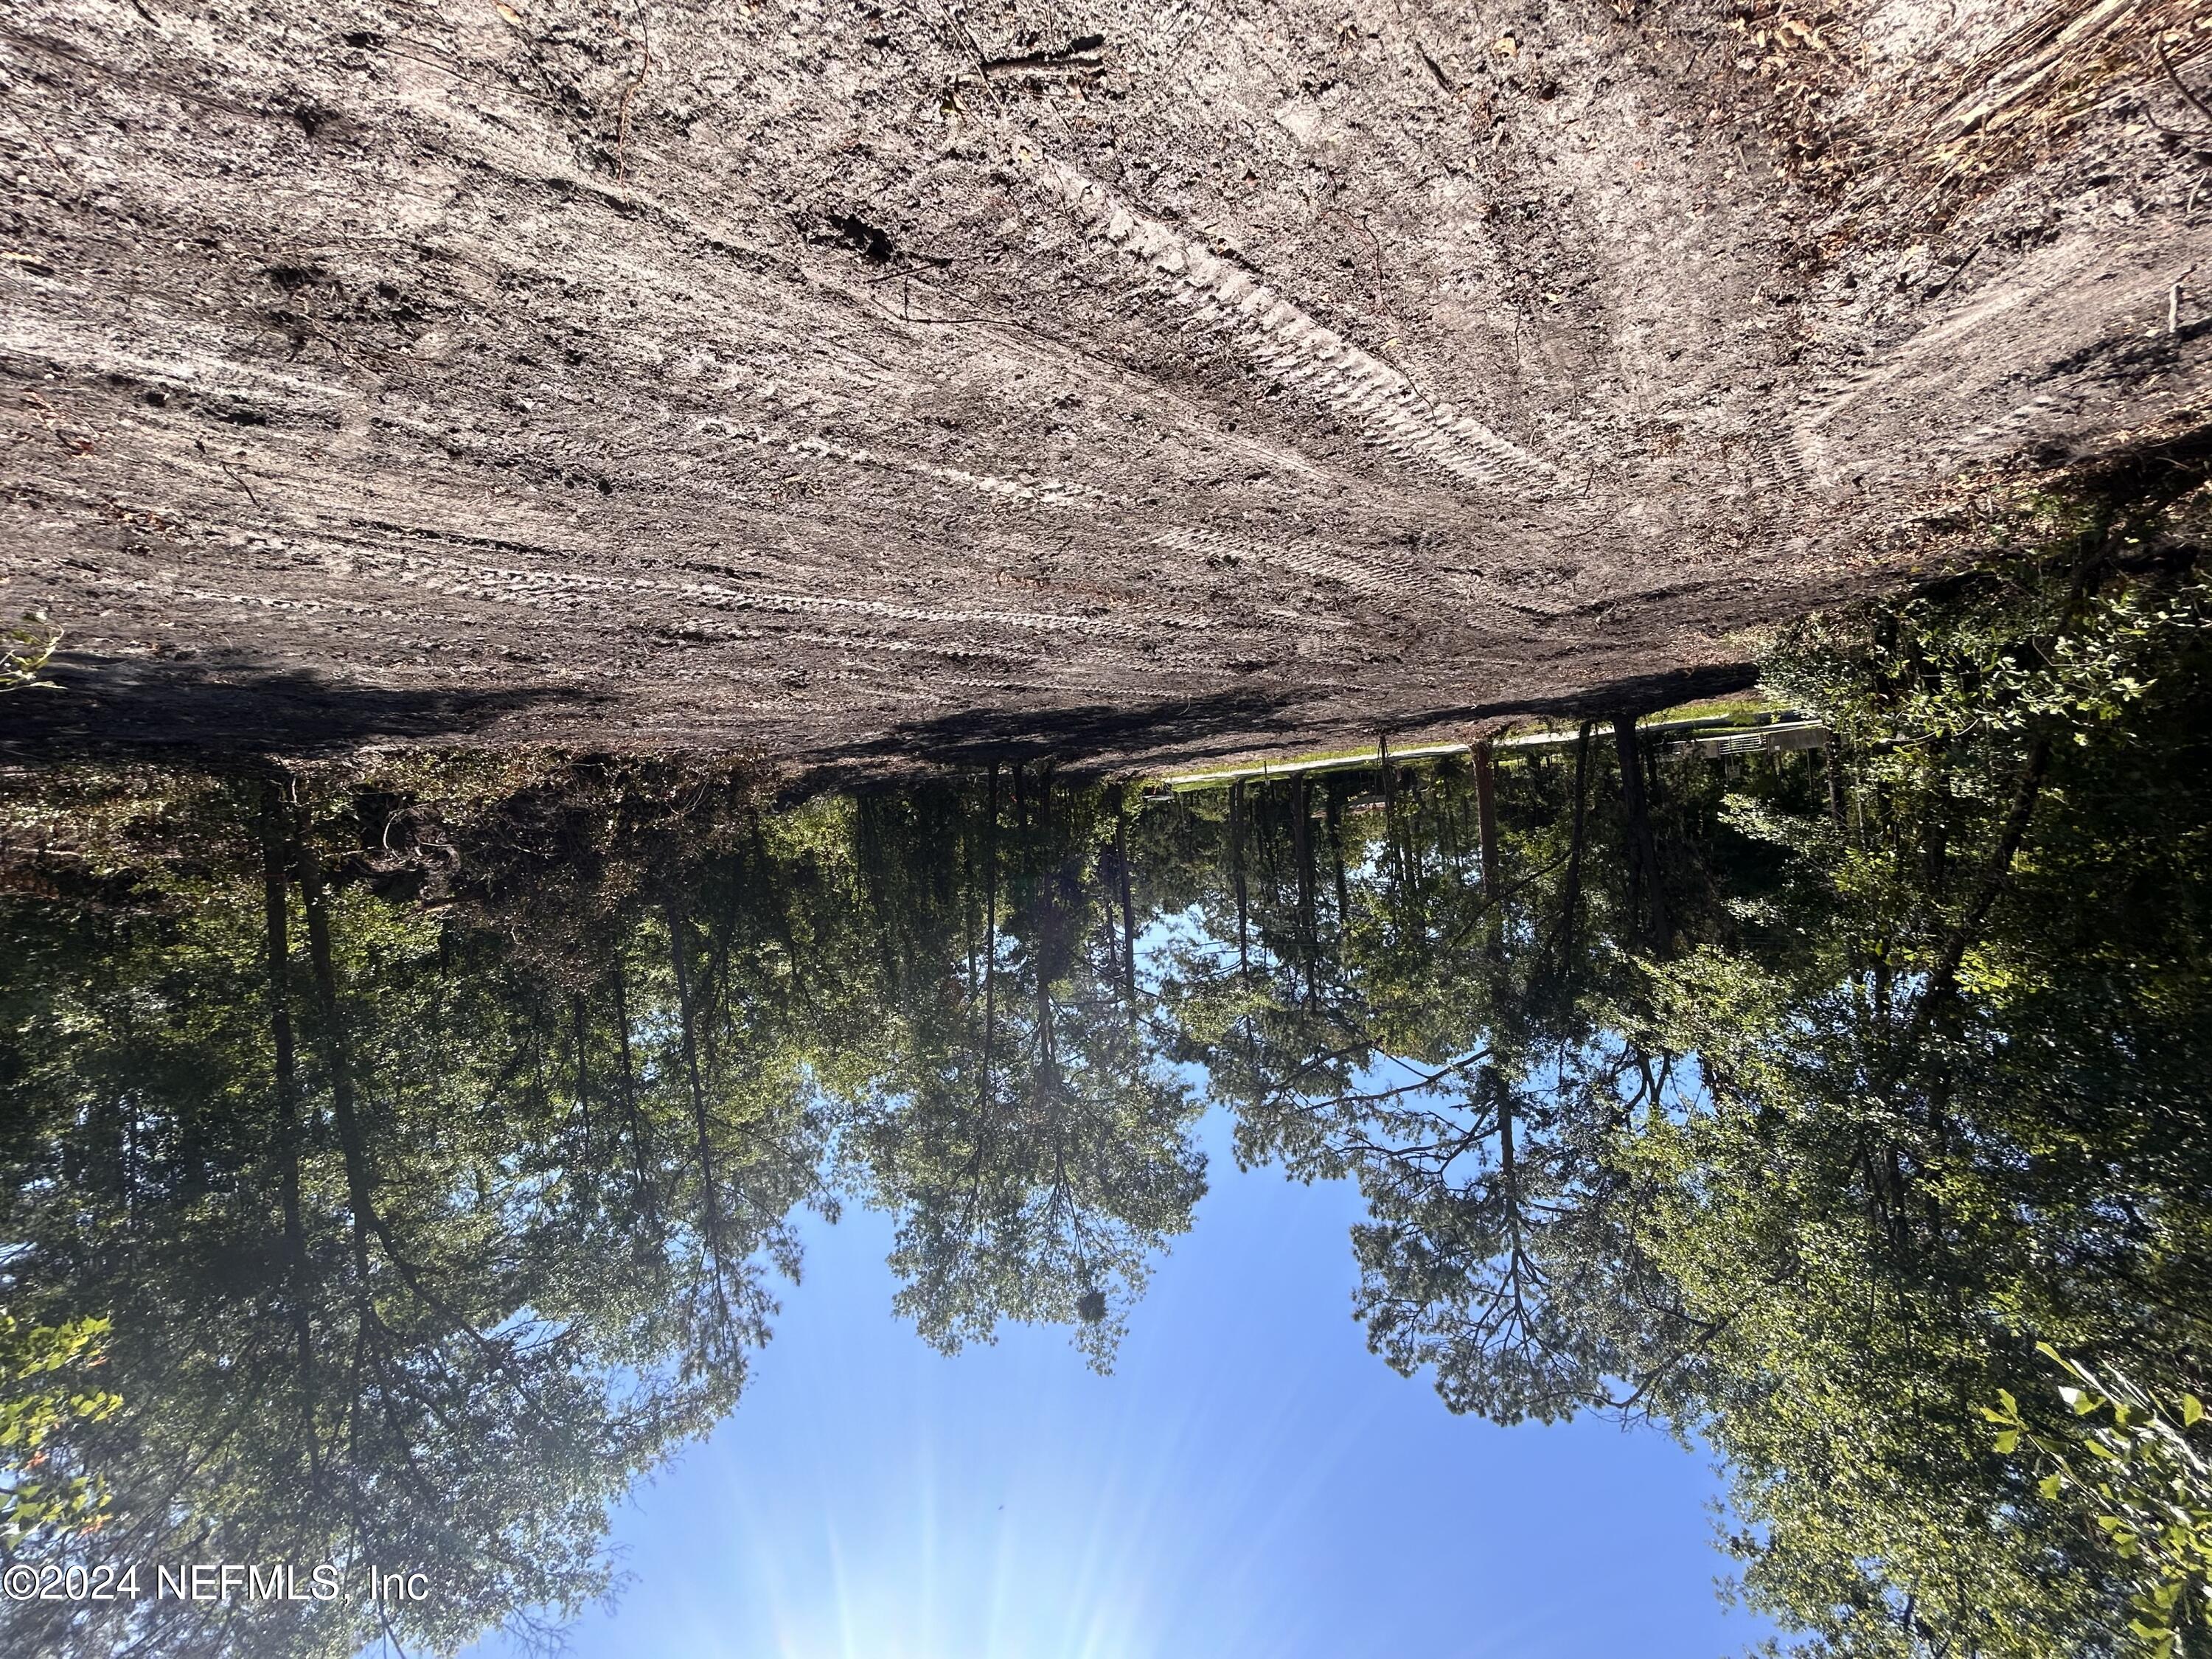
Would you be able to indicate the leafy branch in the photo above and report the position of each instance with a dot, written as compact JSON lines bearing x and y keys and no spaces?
{"x":25,"y":647}
{"x":2144,"y":1483}
{"x":40,"y":1399}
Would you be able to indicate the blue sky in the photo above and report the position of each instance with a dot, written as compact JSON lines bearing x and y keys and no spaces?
{"x":1251,"y":1481}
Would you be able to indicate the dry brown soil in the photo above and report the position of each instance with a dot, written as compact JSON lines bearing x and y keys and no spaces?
{"x":1134,"y":376}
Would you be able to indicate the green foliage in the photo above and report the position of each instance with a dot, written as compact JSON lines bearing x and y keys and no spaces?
{"x":1019,"y":1125}
{"x":1950,"y":1093}
{"x":463,"y":1215}
{"x":2127,"y":1463}
{"x":470,"y":1107}
{"x":1371,"y":1007}
{"x":44,"y":1398}
{"x":25,"y":647}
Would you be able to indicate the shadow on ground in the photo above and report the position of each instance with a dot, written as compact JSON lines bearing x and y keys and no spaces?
{"x":1158,"y":736}
{"x":1641,"y":695}
{"x":98,"y":702}
{"x":977,"y":737}
{"x":243,"y":707}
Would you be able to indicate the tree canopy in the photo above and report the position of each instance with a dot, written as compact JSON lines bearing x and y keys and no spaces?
{"x":420,"y":1149}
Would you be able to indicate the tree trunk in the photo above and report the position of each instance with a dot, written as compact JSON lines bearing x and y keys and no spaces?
{"x":1128,"y":904}
{"x":629,"y":1092}
{"x":1571,"y":897}
{"x":1391,"y":820}
{"x":1508,"y":1169}
{"x":990,"y":934}
{"x":967,"y":911}
{"x":1048,"y":1052}
{"x":285,"y":1071}
{"x":1935,"y":830}
{"x":1302,"y":848}
{"x":1485,"y":807}
{"x":1236,"y":875}
{"x":1944,"y":977}
{"x":1642,"y":849}
{"x":1416,"y":824}
{"x":711,"y":1208}
{"x":1335,"y":809}
{"x":583,"y":1075}
{"x":331,"y":1023}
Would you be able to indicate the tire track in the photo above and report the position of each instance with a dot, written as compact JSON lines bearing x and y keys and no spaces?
{"x":1776,"y":455}
{"x":1023,"y":492}
{"x":1224,"y":299}
{"x":1390,"y":576}
{"x":542,"y":589}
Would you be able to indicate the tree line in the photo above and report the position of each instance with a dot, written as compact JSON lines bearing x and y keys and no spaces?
{"x":431,"y":1139}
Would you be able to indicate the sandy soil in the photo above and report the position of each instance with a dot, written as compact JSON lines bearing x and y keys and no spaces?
{"x":846,"y":379}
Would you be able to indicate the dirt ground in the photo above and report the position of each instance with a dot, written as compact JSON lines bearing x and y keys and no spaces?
{"x":1148,"y":377}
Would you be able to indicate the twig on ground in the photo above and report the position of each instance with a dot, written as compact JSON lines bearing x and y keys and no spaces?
{"x":2158,"y":43}
{"x":644,"y":69}
{"x":238,"y":479}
